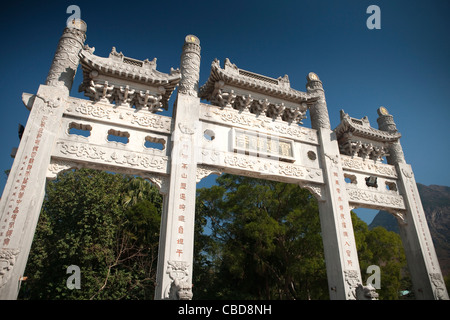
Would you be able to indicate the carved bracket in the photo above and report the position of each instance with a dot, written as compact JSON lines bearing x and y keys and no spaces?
{"x":205,"y":170}
{"x":314,"y":188}
{"x":57,"y":166}
{"x":399,"y":215}
{"x":102,"y":91}
{"x":161,"y":181}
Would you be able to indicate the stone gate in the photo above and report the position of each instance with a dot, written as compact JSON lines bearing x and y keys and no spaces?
{"x":251,"y":127}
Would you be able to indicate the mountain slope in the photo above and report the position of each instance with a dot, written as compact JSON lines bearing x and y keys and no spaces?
{"x":436,"y":204}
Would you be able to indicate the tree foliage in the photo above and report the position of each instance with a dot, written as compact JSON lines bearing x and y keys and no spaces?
{"x":267,"y":243}
{"x":384,"y":249}
{"x":87,"y":220}
{"x":267,"y":240}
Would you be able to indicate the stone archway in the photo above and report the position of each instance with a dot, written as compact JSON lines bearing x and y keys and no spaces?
{"x":252,"y":126}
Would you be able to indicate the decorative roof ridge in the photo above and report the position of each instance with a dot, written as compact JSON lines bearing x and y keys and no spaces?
{"x":362,"y":128}
{"x":126,"y":81}
{"x":234,"y":76}
{"x":231,"y":67}
{"x":118,"y":64}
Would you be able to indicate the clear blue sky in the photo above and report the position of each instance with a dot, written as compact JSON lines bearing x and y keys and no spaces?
{"x":404,"y":66}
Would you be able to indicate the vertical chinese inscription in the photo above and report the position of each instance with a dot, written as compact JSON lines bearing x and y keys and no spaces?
{"x":20,"y":186}
{"x":184,"y":155}
{"x":344,"y":221}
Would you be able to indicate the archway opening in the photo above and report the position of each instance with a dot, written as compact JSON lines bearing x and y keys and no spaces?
{"x":262,"y":241}
{"x":381,"y":255}
{"x":107,"y":225}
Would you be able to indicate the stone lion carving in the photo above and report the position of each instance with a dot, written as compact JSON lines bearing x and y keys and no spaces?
{"x":181,"y":287}
{"x":180,"y":290}
{"x":439,"y":286}
{"x":7,"y":261}
{"x":366,"y":292}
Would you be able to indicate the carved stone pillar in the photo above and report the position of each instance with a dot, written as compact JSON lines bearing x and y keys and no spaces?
{"x":318,"y":111}
{"x":421,"y":256}
{"x":176,"y":244}
{"x":65,"y":62}
{"x":24,"y":192}
{"x":341,"y":257}
{"x":386,"y":123}
{"x":190,"y":66}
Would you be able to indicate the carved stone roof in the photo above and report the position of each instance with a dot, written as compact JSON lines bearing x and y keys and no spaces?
{"x":361,"y":128}
{"x":121,"y":70}
{"x":233,"y":76}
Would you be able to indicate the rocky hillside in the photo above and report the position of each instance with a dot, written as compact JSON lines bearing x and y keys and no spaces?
{"x":436,"y":204}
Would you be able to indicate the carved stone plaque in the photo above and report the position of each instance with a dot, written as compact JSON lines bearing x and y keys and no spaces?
{"x":262,"y":145}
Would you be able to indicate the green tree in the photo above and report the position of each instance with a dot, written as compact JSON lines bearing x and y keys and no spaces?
{"x":87,"y":221}
{"x":384,"y":249}
{"x":267,"y":240}
{"x":266,"y":244}
{"x":138,"y":189}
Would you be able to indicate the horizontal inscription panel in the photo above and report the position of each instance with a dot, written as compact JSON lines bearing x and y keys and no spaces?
{"x":262,"y":145}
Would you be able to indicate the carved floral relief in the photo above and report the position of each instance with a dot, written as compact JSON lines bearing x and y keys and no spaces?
{"x":112,"y":156}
